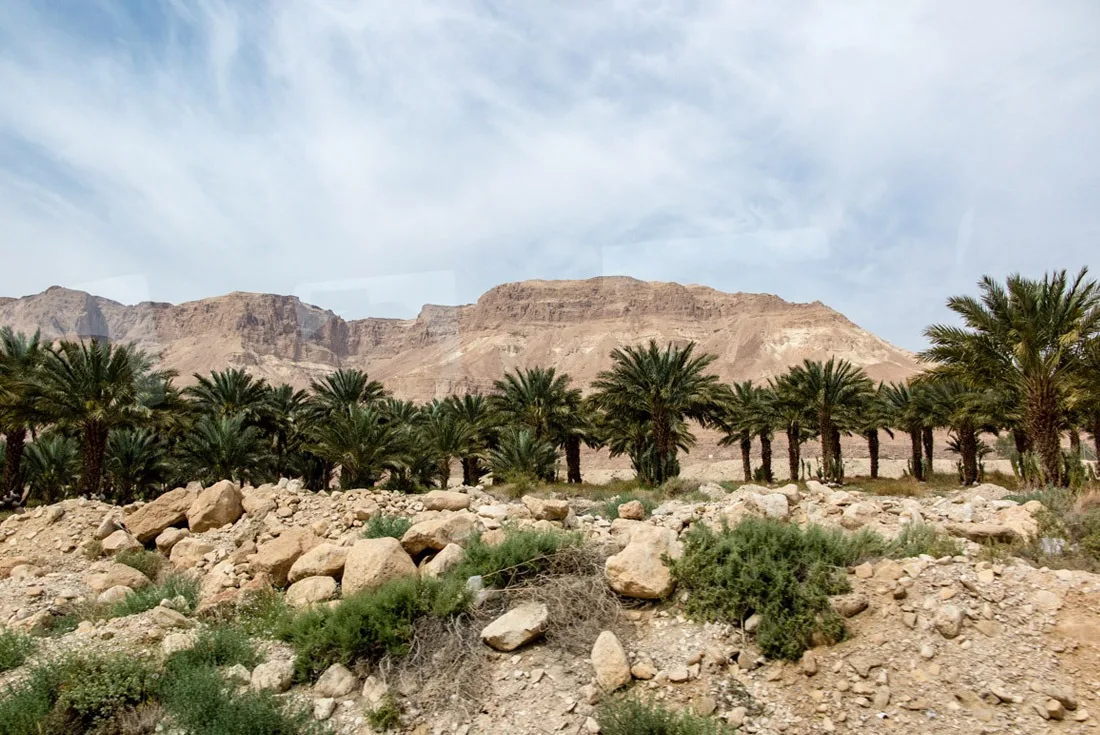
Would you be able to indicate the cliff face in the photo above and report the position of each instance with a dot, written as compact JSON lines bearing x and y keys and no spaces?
{"x":571,"y":325}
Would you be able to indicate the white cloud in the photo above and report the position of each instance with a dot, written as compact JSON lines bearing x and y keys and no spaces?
{"x":876,"y":157}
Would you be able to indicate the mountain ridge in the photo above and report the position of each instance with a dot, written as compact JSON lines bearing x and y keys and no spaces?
{"x":572,"y":325}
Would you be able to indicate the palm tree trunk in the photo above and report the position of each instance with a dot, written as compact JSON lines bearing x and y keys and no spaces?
{"x":1023,"y":443}
{"x":826,"y":428}
{"x":746,"y":462}
{"x":1042,"y":425}
{"x":662,"y":438}
{"x":573,"y":459}
{"x":468,"y":472}
{"x":872,"y":451}
{"x":968,"y":446}
{"x":1095,"y":431}
{"x":794,"y":450}
{"x":928,"y":439}
{"x":915,"y":460}
{"x":1075,"y":441}
{"x":13,"y":460}
{"x":838,"y":461}
{"x":766,"y":456}
{"x":92,"y":452}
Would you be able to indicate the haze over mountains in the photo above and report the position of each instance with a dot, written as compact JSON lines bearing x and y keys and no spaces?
{"x":571,"y":325}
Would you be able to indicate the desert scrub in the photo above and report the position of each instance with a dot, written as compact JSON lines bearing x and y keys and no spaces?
{"x":386,"y":716}
{"x":219,"y":645}
{"x":919,"y":538}
{"x":261,"y":613}
{"x":521,"y":556}
{"x":383,"y":526}
{"x":147,"y":562}
{"x":15,"y":647}
{"x":777,"y":570}
{"x":173,"y":586}
{"x":610,"y":508}
{"x":626,"y":716}
{"x":370,"y":624}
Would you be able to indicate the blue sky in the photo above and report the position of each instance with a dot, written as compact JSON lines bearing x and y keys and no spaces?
{"x":372,"y":156}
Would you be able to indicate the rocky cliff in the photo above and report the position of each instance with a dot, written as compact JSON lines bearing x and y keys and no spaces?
{"x":572,"y":325}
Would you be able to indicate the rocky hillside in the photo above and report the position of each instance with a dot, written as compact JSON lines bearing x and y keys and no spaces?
{"x":572,"y":325}
{"x":952,"y":641}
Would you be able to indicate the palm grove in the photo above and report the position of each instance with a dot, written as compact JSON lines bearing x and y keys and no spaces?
{"x":96,"y":418}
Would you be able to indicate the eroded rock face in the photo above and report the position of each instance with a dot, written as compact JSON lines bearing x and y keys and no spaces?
{"x":436,"y":534}
{"x":165,"y":511}
{"x":639,"y":571}
{"x":276,"y":557}
{"x":517,"y":627}
{"x":215,"y":507}
{"x":373,"y":562}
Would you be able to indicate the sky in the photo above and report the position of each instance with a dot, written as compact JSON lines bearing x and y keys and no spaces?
{"x":370,"y":157}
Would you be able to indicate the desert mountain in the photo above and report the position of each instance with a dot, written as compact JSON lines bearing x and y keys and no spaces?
{"x":571,"y":325}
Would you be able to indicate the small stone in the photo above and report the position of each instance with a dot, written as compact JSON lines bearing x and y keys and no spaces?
{"x":323,"y":708}
{"x":704,"y":706}
{"x":643,"y":669}
{"x":865,"y":571}
{"x":517,"y":627}
{"x":948,"y":621}
{"x":610,"y":662}
{"x":337,"y":681}
{"x":808,"y":663}
{"x":273,"y":676}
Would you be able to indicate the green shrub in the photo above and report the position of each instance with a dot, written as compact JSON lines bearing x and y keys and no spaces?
{"x":220,"y":645}
{"x":610,"y":508}
{"x":173,"y":586}
{"x":625,"y":716}
{"x":263,"y":612}
{"x":148,"y":563}
{"x":386,"y":716}
{"x":382,"y":526}
{"x":370,"y":624}
{"x":521,"y":556}
{"x":15,"y":647}
{"x":777,"y":570}
{"x":919,"y":538}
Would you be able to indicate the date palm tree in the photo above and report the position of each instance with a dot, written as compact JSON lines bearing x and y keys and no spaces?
{"x":230,"y":392}
{"x":542,"y":400}
{"x":874,"y":416}
{"x":523,"y":457}
{"x":361,"y":440}
{"x":224,"y":448}
{"x":476,"y":413}
{"x":967,"y":412}
{"x":53,"y":461}
{"x":20,"y":360}
{"x":1028,"y":334}
{"x":90,"y":388}
{"x":792,"y":415}
{"x":344,"y":388}
{"x":135,"y":465}
{"x":905,"y":413}
{"x":660,"y":388}
{"x":833,"y":391}
{"x":284,"y":420}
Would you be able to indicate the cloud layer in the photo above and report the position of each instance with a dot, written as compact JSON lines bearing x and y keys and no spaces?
{"x":373,"y":156}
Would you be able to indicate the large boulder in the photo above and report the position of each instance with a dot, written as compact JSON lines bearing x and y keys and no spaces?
{"x":189,"y":551}
{"x":610,"y":662}
{"x":112,"y":574}
{"x":443,"y":562}
{"x":120,"y":541}
{"x":517,"y":627}
{"x":169,"y":537}
{"x":639,"y":570}
{"x":165,"y":511}
{"x":277,"y":556}
{"x":323,"y":560}
{"x":311,"y":590}
{"x":445,"y":500}
{"x":273,"y":676}
{"x":546,"y":509}
{"x":215,"y":506}
{"x":769,"y":505}
{"x":373,"y":562}
{"x":434,"y":535}
{"x":257,"y":501}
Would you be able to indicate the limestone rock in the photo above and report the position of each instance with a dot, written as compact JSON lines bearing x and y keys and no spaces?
{"x":337,"y":681}
{"x":769,"y":504}
{"x":115,"y":575}
{"x":546,"y":509}
{"x":373,"y":562}
{"x":638,"y":570}
{"x":436,"y":534}
{"x":214,"y":507}
{"x":632,"y":510}
{"x":274,"y":676}
{"x":120,"y":541}
{"x":517,"y":627}
{"x":276,"y":557}
{"x":610,"y":662}
{"x":310,"y":591}
{"x":164,"y":511}
{"x":948,"y":621}
{"x":323,"y":560}
{"x":189,"y":551}
{"x":114,"y":594}
{"x":169,"y":537}
{"x":849,"y":606}
{"x":445,"y":500}
{"x":446,"y":560}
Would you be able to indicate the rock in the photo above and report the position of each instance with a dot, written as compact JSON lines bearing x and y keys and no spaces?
{"x":54,"y":514}
{"x":1020,"y":519}
{"x":274,"y":676}
{"x":865,"y":570}
{"x":7,"y":565}
{"x":169,"y":537}
{"x":337,"y":681}
{"x":115,"y":575}
{"x":323,"y":560}
{"x":982,"y":532}
{"x":118,"y":593}
{"x":323,"y":708}
{"x":1067,"y":695}
{"x":948,"y":621}
{"x":769,"y":505}
{"x":1047,"y":600}
{"x":107,"y":526}
{"x":176,"y":642}
{"x":373,"y":562}
{"x":678,"y":674}
{"x":375,"y":691}
{"x":1050,"y":709}
{"x":737,"y":715}
{"x":450,"y":557}
{"x":169,"y":509}
{"x":311,"y":590}
{"x":276,"y":557}
{"x":164,"y":617}
{"x":215,"y":507}
{"x":436,"y":534}
{"x":610,"y":662}
{"x":189,"y":551}
{"x":643,"y":669}
{"x":752,"y":622}
{"x":445,"y":500}
{"x":638,"y":570}
{"x":517,"y":627}
{"x":120,"y":541}
{"x":632,"y":510}
{"x":849,"y":606}
{"x":238,"y":675}
{"x":808,"y":664}
{"x":546,"y":509}
{"x":258,"y":501}
{"x":858,"y":515}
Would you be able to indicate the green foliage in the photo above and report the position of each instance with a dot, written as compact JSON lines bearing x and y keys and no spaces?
{"x":521,"y":457}
{"x":783,"y":573}
{"x":919,"y":538}
{"x":521,"y":556}
{"x":224,"y":447}
{"x":52,"y":466}
{"x":174,"y":585}
{"x":610,"y":508}
{"x":135,"y":465}
{"x":386,"y":716}
{"x":220,"y":645}
{"x":262,"y":613}
{"x":370,"y":624}
{"x":15,"y":647}
{"x":628,"y":716}
{"x":147,"y":562}
{"x":381,"y":526}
